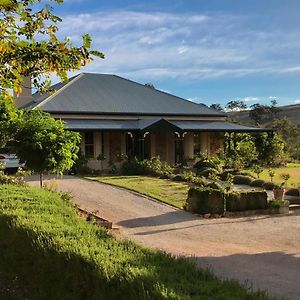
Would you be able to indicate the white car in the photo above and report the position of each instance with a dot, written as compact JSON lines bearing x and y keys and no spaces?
{"x":10,"y":161}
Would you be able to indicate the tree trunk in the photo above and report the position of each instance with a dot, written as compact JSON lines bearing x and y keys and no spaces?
{"x":41,"y":179}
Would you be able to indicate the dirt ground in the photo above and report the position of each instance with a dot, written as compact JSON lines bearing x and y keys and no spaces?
{"x":263,"y":251}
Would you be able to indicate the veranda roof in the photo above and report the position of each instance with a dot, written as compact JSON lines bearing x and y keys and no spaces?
{"x":159,"y":125}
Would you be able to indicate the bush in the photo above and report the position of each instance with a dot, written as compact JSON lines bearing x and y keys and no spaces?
{"x":257,"y":183}
{"x":242,"y":179}
{"x":225,"y":173}
{"x":205,"y":162}
{"x":292,"y":192}
{"x":246,"y":200}
{"x":18,"y":179}
{"x":152,"y":166}
{"x":133,"y":167}
{"x":214,"y":185}
{"x":200,"y":181}
{"x":203,"y":200}
{"x":179,"y":177}
{"x":268,"y":186}
{"x":208,"y":172}
{"x":277,"y":203}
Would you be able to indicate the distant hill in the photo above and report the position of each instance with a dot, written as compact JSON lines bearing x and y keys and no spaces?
{"x":291,"y":112}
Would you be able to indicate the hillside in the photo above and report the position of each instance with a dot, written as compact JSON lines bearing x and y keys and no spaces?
{"x":291,"y":112}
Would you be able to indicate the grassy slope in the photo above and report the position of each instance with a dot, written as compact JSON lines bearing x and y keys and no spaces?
{"x":48,"y":253}
{"x":164,"y":190}
{"x":292,"y":169}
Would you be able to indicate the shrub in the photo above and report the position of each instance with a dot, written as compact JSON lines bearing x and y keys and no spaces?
{"x":214,"y":185}
{"x":242,"y":179}
{"x":225,"y":173}
{"x":133,"y":167}
{"x":268,"y":186}
{"x":179,"y":177}
{"x":257,"y":183}
{"x":207,"y":172}
{"x":18,"y":179}
{"x":152,"y":166}
{"x":292,"y":192}
{"x":246,"y":200}
{"x":200,"y":181}
{"x":205,"y":162}
{"x":277,"y":203}
{"x":203,"y":200}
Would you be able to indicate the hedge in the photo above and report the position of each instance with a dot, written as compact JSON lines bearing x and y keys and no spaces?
{"x":242,"y":179}
{"x":246,"y":200}
{"x":268,"y":186}
{"x":203,"y":200}
{"x":293,"y":192}
{"x":207,"y":172}
{"x":257,"y":183}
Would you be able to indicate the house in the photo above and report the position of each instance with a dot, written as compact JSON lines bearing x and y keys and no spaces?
{"x":117,"y":116}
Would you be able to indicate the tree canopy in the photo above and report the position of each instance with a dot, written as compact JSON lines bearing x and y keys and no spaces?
{"x":29,"y":46}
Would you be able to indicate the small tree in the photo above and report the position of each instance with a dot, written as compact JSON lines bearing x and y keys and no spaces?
{"x":285,"y":177}
{"x":271,"y":174}
{"x":257,"y":170}
{"x":43,"y":143}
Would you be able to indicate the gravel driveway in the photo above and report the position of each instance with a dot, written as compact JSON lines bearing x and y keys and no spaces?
{"x":263,"y":250}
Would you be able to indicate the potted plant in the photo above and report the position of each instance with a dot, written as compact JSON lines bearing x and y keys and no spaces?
{"x":278,"y":191}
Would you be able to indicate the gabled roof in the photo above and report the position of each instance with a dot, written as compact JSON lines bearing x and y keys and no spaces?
{"x":110,"y":94}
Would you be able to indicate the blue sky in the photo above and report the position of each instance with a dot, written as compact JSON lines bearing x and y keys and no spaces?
{"x":209,"y":51}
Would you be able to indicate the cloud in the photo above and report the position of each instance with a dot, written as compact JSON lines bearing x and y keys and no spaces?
{"x":250,"y":99}
{"x":153,"y":45}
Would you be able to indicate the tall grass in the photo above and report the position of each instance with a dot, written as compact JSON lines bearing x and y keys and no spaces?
{"x":47,"y":252}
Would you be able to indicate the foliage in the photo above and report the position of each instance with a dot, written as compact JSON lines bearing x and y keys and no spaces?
{"x":208,"y":172}
{"x":271,"y":173}
{"x":242,"y":179}
{"x":285,"y":177}
{"x":290,"y":135}
{"x":204,"y":200}
{"x":293,"y":192}
{"x":268,"y":186}
{"x":43,"y":144}
{"x":257,"y":183}
{"x":204,"y":162}
{"x":277,"y":203}
{"x":153,"y":166}
{"x":246,"y":200}
{"x":257,"y":170}
{"x":271,"y":149}
{"x":260,"y":112}
{"x":236,"y":105}
{"x":24,"y":53}
{"x":80,"y":166}
{"x":216,"y":106}
{"x":18,"y":178}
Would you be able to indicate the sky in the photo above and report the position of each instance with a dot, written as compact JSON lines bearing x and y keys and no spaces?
{"x":207,"y":51}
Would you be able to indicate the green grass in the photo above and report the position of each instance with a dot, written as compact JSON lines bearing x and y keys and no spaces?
{"x":164,"y":190}
{"x":47,"y":252}
{"x":292,"y":169}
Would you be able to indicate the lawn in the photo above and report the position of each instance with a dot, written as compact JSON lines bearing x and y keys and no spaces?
{"x":48,"y":252}
{"x":292,"y":169}
{"x":164,"y":190}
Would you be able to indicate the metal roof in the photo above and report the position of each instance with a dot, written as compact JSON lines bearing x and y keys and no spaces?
{"x":149,"y":125}
{"x":111,"y":94}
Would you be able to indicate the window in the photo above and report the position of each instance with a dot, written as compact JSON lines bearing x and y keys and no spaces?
{"x":197,"y":143}
{"x":89,"y":144}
